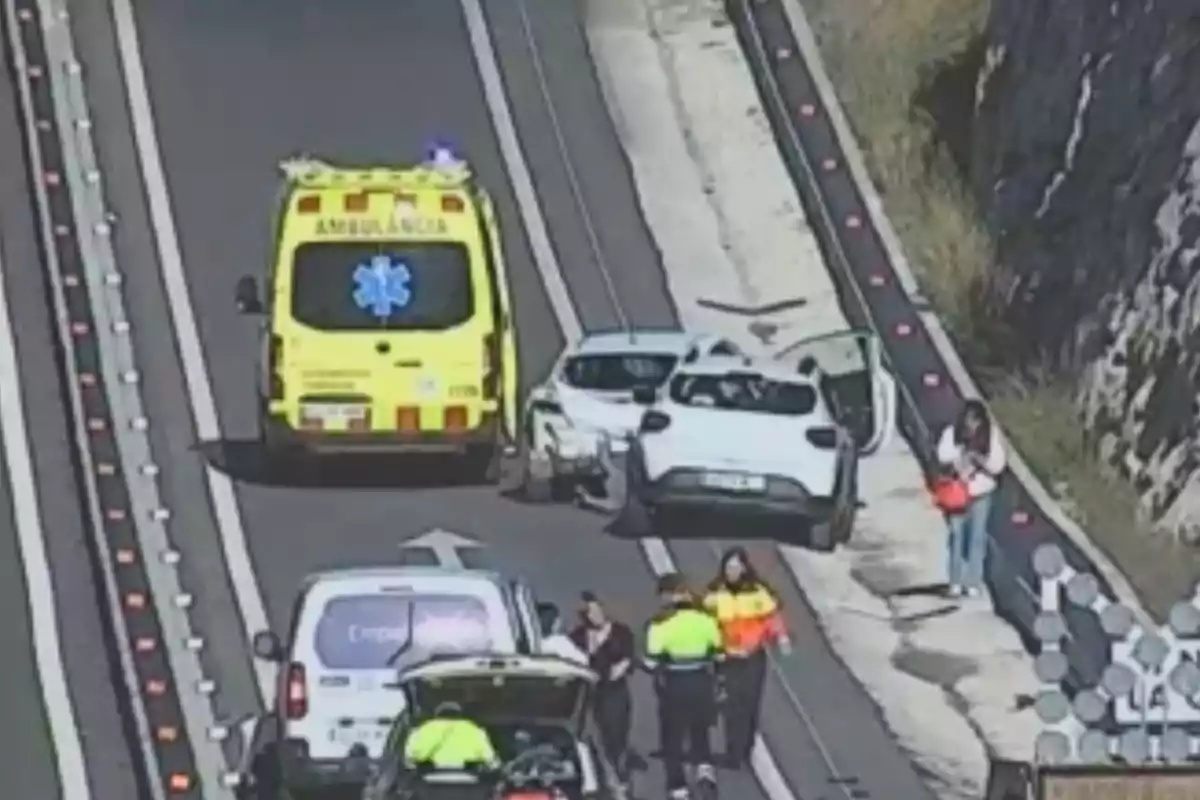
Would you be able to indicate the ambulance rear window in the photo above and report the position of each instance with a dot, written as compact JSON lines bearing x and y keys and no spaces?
{"x":395,"y":286}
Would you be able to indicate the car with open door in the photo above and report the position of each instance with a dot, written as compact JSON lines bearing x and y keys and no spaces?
{"x":858,"y":389}
{"x":583,"y":413}
{"x":533,"y":708}
{"x":775,"y":437}
{"x":351,"y":632}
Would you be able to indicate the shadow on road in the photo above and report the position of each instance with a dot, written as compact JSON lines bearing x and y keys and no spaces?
{"x":713,"y":526}
{"x":246,"y":461}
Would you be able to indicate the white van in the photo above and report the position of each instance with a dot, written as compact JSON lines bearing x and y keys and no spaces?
{"x":352,"y":632}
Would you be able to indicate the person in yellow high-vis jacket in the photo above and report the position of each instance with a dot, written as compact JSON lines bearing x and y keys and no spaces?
{"x":449,"y":740}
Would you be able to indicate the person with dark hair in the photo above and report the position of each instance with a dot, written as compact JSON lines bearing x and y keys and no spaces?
{"x":554,"y":641}
{"x":971,"y":451}
{"x":609,"y":647}
{"x":750,"y":618}
{"x":683,"y":646}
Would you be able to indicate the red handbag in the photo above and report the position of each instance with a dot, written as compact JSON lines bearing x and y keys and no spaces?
{"x":950,"y":494}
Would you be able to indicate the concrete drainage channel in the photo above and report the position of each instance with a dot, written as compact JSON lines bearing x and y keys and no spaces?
{"x":877,"y":291}
{"x":168,"y":697}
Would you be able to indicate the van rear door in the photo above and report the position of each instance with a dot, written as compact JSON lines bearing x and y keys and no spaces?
{"x":354,"y":642}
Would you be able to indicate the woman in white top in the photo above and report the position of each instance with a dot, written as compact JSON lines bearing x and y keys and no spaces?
{"x":971,"y":450}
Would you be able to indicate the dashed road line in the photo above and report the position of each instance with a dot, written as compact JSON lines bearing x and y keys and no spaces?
{"x":655,"y":550}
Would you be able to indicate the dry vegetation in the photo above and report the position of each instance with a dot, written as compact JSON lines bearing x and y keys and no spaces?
{"x":879,"y":54}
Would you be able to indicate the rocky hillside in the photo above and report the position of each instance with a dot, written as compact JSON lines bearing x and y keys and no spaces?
{"x":1085,"y":157}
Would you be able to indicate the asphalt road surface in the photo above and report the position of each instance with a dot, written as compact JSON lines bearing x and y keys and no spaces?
{"x":28,"y":765}
{"x":236,"y":86}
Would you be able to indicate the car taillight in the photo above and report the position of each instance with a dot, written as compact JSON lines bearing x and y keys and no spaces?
{"x":455,"y":418}
{"x":654,"y":421}
{"x":295,"y":704}
{"x":823,"y":438}
{"x":274,"y":356}
{"x":408,"y":419}
{"x":309,"y":204}
{"x":491,"y":366}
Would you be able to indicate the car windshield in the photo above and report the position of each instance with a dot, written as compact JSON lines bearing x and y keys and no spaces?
{"x":743,"y":392}
{"x":513,"y":697}
{"x":618,"y":372}
{"x":393,"y":631}
{"x":352,"y":286}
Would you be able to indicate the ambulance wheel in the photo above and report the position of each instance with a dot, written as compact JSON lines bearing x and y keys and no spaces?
{"x":482,"y":464}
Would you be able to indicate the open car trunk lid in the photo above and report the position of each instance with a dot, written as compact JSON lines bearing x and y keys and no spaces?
{"x":536,"y":688}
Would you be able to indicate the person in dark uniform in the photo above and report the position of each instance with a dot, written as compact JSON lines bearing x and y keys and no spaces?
{"x":748,"y":612}
{"x":609,"y":647}
{"x":683,"y":646}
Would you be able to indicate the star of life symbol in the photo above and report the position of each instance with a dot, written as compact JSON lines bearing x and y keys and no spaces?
{"x":382,"y":286}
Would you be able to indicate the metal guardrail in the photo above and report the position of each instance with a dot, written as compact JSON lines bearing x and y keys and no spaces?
{"x":157,"y":641}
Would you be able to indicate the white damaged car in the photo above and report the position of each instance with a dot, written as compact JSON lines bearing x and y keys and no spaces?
{"x":779,"y":437}
{"x":584,"y":412}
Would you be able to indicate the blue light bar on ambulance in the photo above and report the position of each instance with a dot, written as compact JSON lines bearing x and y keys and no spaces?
{"x":443,"y":158}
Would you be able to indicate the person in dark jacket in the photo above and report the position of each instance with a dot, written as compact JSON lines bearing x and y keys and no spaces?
{"x":609,"y":647}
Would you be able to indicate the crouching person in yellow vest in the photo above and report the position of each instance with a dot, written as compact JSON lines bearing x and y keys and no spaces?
{"x":450,"y":741}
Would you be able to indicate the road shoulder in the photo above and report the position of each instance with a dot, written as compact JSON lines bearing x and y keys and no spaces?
{"x":945,"y":678}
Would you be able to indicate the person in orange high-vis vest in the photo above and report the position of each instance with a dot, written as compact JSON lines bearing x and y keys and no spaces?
{"x":751,"y":620}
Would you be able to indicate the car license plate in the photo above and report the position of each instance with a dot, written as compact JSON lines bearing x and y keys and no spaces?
{"x":335,"y":412}
{"x":357,"y":735}
{"x":734,"y":482}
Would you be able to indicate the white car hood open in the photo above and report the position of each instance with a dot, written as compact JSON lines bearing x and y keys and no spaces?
{"x":727,"y":440}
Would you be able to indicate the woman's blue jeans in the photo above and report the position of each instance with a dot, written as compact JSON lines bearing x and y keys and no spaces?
{"x":968,"y":543}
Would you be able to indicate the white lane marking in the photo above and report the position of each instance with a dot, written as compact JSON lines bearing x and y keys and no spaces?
{"x":43,"y":606}
{"x":246,"y":590}
{"x":446,"y":546}
{"x":765,"y":767}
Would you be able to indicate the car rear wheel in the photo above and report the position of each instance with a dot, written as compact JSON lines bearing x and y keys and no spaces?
{"x":825,"y":536}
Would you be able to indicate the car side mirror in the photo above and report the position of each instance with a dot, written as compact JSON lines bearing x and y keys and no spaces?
{"x":267,"y":647}
{"x":644,"y":395}
{"x":246,"y":296}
